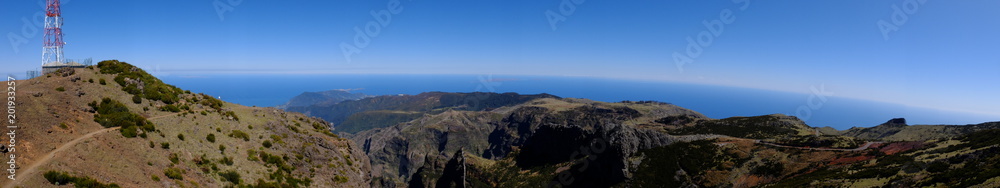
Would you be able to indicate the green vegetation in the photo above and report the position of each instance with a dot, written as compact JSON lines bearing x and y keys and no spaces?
{"x":62,"y":178}
{"x":266,"y":143}
{"x":111,"y":113}
{"x":211,"y":102}
{"x":131,"y":78}
{"x":165,"y":145}
{"x":226,"y":160}
{"x":60,"y":89}
{"x":170,"y":108}
{"x":102,"y":82}
{"x":339,"y":179}
{"x":174,"y":158}
{"x":136,"y":99}
{"x":823,"y":141}
{"x":232,"y":114}
{"x":210,"y":138}
{"x":239,"y":134}
{"x":174,"y":173}
{"x":759,"y":127}
{"x":230,"y":176}
{"x":180,"y":136}
{"x":695,"y":158}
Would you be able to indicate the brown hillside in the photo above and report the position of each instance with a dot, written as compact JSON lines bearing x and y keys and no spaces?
{"x":262,"y":146}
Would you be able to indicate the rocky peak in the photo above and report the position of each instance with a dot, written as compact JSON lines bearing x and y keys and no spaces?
{"x":895,"y":122}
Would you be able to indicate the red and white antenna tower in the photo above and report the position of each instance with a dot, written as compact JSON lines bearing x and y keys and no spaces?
{"x":52,"y":49}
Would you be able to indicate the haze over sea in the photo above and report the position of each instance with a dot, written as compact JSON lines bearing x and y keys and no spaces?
{"x":712,"y":101}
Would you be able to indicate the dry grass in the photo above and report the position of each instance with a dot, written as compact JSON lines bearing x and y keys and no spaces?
{"x":130,"y":162}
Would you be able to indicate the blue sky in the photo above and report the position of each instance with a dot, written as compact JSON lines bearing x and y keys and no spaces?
{"x":943,"y":56}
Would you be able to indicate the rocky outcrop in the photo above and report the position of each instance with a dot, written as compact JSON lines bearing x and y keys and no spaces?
{"x":399,"y":151}
{"x":593,"y":140}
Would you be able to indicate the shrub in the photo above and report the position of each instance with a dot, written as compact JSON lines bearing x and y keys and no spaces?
{"x":62,"y":178}
{"x":230,"y":176}
{"x":251,"y":155}
{"x":154,"y":88}
{"x":937,"y":166}
{"x":58,"y":178}
{"x":63,"y":125}
{"x":174,"y":173}
{"x":102,"y":82}
{"x":239,"y":134}
{"x":170,"y":108}
{"x":276,"y":138}
{"x":222,"y":148}
{"x":232,"y":114}
{"x":210,"y":138}
{"x":129,"y":132}
{"x":211,"y":102}
{"x":60,"y":89}
{"x":165,"y":145}
{"x":180,"y":136}
{"x":156,"y":178}
{"x":339,"y":179}
{"x":111,"y":113}
{"x":267,"y":144}
{"x":90,"y":80}
{"x":226,"y":160}
{"x":136,"y":99}
{"x":174,"y":158}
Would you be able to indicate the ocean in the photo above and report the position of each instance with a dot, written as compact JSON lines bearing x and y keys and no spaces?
{"x":712,"y":101}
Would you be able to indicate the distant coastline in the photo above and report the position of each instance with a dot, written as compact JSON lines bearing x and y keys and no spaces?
{"x":713,"y":101}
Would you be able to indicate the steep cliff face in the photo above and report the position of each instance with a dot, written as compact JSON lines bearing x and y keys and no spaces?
{"x":595,"y":139}
{"x":398,"y":151}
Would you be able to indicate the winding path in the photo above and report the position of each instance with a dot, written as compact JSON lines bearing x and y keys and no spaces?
{"x":48,"y":156}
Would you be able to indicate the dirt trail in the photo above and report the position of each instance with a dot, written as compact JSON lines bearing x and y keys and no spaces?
{"x":48,"y":156}
{"x":26,"y":172}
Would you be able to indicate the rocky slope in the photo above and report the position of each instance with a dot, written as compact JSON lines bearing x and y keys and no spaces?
{"x":115,"y":125}
{"x":541,"y":133}
{"x":583,"y":143}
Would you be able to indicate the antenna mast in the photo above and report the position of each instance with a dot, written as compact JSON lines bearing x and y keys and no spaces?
{"x":52,"y":48}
